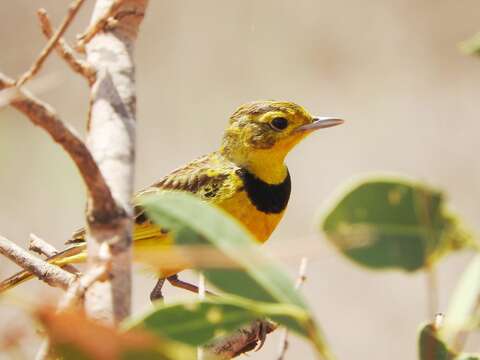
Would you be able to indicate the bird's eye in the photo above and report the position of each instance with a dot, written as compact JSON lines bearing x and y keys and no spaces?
{"x":279,"y":123}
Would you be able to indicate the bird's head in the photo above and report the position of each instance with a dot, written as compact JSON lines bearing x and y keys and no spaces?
{"x":260,"y":134}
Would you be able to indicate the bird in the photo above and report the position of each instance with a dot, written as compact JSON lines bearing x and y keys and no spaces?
{"x":247,"y":177}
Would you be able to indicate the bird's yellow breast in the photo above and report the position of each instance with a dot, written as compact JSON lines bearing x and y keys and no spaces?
{"x":259,"y":223}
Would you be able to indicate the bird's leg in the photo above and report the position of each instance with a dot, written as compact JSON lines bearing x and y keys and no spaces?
{"x":156,"y":293}
{"x":175,"y":281}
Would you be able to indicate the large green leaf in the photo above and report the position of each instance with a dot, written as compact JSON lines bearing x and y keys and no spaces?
{"x":392,"y":223}
{"x":464,"y":302}
{"x":249,"y":273}
{"x":197,"y":323}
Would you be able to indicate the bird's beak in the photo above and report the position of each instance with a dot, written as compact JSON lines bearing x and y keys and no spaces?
{"x":320,"y":123}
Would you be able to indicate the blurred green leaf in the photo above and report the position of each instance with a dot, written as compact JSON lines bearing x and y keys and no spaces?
{"x":471,"y":46}
{"x":431,"y":347}
{"x":464,"y":302}
{"x":197,"y":323}
{"x":250,"y":274}
{"x":392,"y":223}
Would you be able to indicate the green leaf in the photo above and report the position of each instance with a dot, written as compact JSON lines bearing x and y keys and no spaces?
{"x":471,"y":46}
{"x":431,"y":347}
{"x":464,"y":302}
{"x":468,"y":357}
{"x":391,"y":223}
{"x":197,"y":323}
{"x":194,"y":222}
{"x":249,"y":274}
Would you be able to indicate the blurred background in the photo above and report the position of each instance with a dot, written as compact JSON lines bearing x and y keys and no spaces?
{"x":392,"y":69}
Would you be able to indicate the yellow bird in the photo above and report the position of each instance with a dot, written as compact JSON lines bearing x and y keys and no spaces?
{"x":247,"y":177}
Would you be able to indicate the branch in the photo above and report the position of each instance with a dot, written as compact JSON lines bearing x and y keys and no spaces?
{"x":99,"y":24}
{"x":72,"y":11}
{"x":44,"y":116}
{"x":64,"y":50}
{"x":111,"y":140}
{"x":42,"y":247}
{"x":239,"y":342}
{"x":51,"y":274}
{"x":78,"y":289}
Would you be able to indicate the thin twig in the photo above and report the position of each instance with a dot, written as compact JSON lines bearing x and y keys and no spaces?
{"x":51,"y":274}
{"x":42,"y":247}
{"x":64,"y":50}
{"x":72,"y":11}
{"x":98,"y":26}
{"x":77,"y":290}
{"x":302,"y":271}
{"x":201,"y":297}
{"x":44,"y":350}
{"x":432,"y":291}
{"x":43,"y":115}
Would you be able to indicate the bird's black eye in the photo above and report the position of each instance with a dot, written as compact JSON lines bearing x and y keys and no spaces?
{"x":279,"y":123}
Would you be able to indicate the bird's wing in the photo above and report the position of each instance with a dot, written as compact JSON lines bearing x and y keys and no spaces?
{"x":211,"y":178}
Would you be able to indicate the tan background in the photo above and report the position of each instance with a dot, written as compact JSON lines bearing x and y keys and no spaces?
{"x":392,"y":68}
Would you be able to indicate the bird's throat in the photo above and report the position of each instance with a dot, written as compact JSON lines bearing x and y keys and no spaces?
{"x":267,"y":198}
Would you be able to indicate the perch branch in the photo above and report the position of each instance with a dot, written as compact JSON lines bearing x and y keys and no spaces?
{"x":64,"y":50}
{"x":239,"y":342}
{"x":302,"y":277}
{"x":44,"y":116}
{"x":72,"y":11}
{"x":51,"y":274}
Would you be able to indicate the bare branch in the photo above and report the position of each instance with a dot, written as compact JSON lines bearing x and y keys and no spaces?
{"x":64,"y":50}
{"x":42,"y":247}
{"x":99,"y":24}
{"x":43,"y":115}
{"x":239,"y":342}
{"x":77,"y":290}
{"x":302,"y":276}
{"x":51,"y":274}
{"x":72,"y":11}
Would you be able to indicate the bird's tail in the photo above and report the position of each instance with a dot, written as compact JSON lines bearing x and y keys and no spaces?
{"x":71,"y":255}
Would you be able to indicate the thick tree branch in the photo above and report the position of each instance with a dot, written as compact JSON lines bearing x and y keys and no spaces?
{"x":72,"y":11}
{"x":111,"y":140}
{"x":44,"y":116}
{"x":64,"y":50}
{"x":51,"y":274}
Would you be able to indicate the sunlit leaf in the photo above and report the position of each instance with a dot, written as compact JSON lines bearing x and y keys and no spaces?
{"x":253,"y":275}
{"x":393,"y":223}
